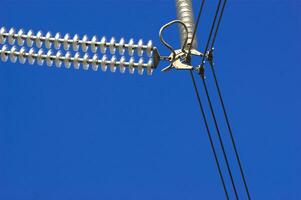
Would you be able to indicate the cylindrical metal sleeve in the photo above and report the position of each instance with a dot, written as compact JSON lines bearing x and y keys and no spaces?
{"x":185,"y":14}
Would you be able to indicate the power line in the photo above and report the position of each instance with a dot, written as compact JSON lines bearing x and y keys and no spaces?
{"x":211,"y":108}
{"x":207,"y":94}
{"x":218,"y":24}
{"x":196,"y":26}
{"x":219,"y":136}
{"x":224,"y":108}
{"x":201,"y":106}
{"x":211,"y":31}
{"x":230,"y":132}
{"x":226,"y":117}
{"x":209,"y":135}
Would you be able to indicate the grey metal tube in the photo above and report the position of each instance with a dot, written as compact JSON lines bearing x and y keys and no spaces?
{"x":185,"y":14}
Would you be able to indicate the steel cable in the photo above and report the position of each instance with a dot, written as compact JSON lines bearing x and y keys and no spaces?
{"x":207,"y":94}
{"x":199,"y":100}
{"x":230,"y":132}
{"x":209,"y":135}
{"x":219,"y":137}
{"x":224,"y":108}
{"x":196,"y":27}
{"x":211,"y":31}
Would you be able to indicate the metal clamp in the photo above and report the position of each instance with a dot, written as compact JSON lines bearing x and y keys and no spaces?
{"x":177,"y":58}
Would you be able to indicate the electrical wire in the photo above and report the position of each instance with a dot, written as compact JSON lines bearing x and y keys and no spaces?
{"x":218,"y":24}
{"x":209,"y":135}
{"x":230,"y":132}
{"x":201,"y":106}
{"x":218,"y":88}
{"x":208,"y":96}
{"x":224,"y":108}
{"x":219,"y":136}
{"x":211,"y":31}
{"x":196,"y":27}
{"x":200,"y":103}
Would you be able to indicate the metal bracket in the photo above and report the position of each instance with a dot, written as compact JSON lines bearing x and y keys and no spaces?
{"x":209,"y":57}
{"x":177,"y":58}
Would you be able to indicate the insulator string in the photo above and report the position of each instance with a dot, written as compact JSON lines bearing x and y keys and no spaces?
{"x":67,"y":42}
{"x":185,"y":14}
{"x":58,"y":59}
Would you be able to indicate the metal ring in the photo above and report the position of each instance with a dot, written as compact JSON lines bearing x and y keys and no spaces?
{"x":168,"y":45}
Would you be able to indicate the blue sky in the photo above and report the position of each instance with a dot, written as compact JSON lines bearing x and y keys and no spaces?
{"x":67,"y":134}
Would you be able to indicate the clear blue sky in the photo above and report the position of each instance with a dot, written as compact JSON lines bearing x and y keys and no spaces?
{"x":67,"y":134}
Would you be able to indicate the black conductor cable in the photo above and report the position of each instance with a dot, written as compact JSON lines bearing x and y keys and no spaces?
{"x":201,"y":106}
{"x":218,"y":24}
{"x":209,"y":136}
{"x":224,"y":107}
{"x":209,"y":99}
{"x":196,"y":27}
{"x":230,"y":132}
{"x":211,"y":32}
{"x":219,"y":135}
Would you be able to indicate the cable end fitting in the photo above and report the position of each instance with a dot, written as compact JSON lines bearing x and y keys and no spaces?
{"x":201,"y":70}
